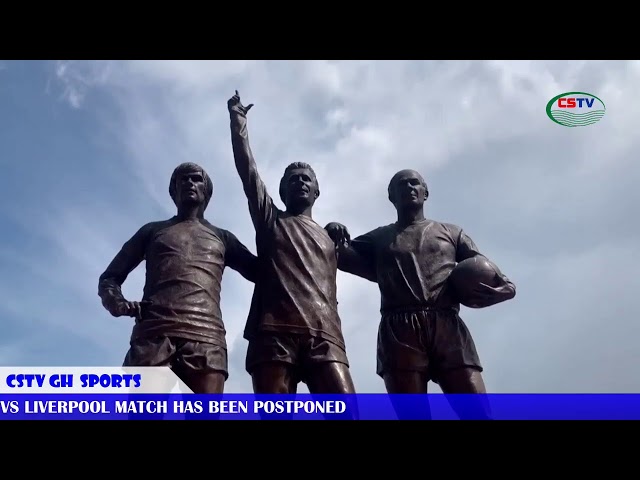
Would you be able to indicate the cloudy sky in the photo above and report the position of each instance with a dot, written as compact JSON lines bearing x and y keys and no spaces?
{"x":87,"y":149}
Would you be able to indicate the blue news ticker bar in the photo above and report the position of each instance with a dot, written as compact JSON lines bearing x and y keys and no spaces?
{"x":345,"y":407}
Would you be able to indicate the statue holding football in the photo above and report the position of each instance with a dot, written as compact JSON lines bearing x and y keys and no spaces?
{"x":424,"y":269}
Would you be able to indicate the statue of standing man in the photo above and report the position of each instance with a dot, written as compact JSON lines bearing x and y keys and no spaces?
{"x":294,"y":330}
{"x":421,"y":336}
{"x":179,"y":322}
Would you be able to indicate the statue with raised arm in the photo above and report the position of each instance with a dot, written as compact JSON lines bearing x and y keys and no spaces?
{"x":294,"y":330}
{"x":421,"y":336}
{"x":179,"y":322}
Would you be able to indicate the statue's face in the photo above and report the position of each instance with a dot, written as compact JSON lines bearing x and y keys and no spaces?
{"x":190,"y":188}
{"x":300,"y":188}
{"x":408,"y":189}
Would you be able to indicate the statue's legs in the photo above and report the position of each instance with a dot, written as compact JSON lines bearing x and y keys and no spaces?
{"x":417,"y":346}
{"x":274,"y":378}
{"x":277,"y":362}
{"x":330,"y":378}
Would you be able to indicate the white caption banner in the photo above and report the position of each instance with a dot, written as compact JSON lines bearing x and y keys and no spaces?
{"x":122,"y":380}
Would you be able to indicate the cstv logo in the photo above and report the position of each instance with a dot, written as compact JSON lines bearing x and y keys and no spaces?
{"x":575,"y":109}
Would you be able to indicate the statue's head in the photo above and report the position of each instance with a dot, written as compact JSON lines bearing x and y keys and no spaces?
{"x":299,"y":186}
{"x":190,"y":185}
{"x":407,"y":189}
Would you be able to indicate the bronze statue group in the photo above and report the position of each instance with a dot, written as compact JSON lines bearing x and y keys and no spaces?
{"x":293,"y":327}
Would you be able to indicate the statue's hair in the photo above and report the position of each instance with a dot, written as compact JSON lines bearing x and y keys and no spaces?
{"x":189,"y":167}
{"x":391,"y":189}
{"x":287,"y":171}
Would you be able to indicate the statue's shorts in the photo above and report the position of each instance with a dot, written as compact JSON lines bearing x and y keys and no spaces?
{"x":431,"y":341}
{"x":302,"y":351}
{"x":178,"y":353}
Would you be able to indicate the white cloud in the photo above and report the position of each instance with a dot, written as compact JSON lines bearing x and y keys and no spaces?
{"x":553,"y":206}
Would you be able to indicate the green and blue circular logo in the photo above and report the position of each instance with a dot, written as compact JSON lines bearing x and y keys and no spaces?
{"x":575,"y":109}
